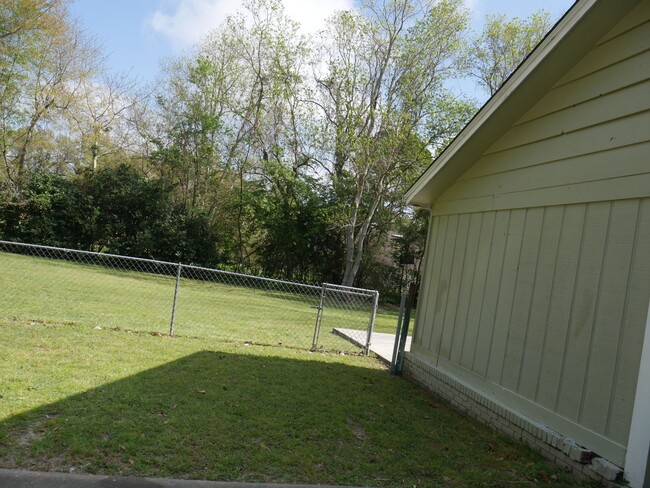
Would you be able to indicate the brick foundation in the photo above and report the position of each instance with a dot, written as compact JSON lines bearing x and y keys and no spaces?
{"x":561,"y":450}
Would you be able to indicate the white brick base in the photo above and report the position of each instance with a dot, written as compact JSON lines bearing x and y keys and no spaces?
{"x":552,"y":445}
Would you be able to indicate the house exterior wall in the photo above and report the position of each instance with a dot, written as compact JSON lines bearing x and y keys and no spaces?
{"x":537,"y":271}
{"x":585,"y":140}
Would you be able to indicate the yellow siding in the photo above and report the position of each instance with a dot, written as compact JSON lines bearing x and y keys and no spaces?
{"x":537,"y":276}
{"x":545,"y":306}
{"x":477,"y":293}
{"x":589,"y":130}
{"x":632,"y":329}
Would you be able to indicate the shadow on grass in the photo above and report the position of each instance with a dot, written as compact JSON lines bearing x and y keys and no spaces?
{"x":214,"y":415}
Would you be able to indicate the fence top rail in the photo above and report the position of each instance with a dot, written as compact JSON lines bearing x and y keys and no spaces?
{"x":243,"y":275}
{"x":359,"y":291}
{"x":342,"y":288}
{"x":91,"y":253}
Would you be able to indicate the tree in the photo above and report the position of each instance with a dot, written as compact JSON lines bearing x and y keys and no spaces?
{"x":44,"y":56}
{"x":228,"y":111}
{"x":299,"y":243}
{"x":380,"y":74}
{"x":100,"y":116}
{"x":501,"y":46}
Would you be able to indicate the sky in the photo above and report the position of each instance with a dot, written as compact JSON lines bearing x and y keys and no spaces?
{"x":137,"y":34}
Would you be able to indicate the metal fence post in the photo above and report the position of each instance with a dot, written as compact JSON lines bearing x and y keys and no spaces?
{"x":319,"y":317}
{"x":178,"y":281}
{"x":398,"y":332}
{"x":396,"y":368}
{"x":371,"y":325}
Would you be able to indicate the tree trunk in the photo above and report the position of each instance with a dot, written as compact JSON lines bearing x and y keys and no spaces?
{"x":356,"y":244}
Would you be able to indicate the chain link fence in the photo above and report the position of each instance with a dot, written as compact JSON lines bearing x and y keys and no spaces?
{"x":63,"y":286}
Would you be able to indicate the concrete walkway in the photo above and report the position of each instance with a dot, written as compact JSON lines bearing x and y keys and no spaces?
{"x":12,"y":478}
{"x":381,"y":344}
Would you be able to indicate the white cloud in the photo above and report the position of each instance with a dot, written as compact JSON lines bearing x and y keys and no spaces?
{"x":472,"y":5}
{"x":187,"y":21}
{"x":311,"y":14}
{"x":475,"y":7}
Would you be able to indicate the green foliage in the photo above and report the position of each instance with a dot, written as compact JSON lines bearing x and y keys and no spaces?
{"x":299,"y":242}
{"x":114,"y":210}
{"x":44,"y":57}
{"x":503,"y":44}
{"x":137,"y":217}
{"x":381,"y":73}
{"x":49,"y":210}
{"x":264,"y":150}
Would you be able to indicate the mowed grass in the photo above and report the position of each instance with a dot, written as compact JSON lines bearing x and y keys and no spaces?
{"x":108,"y":401}
{"x":63,"y":292}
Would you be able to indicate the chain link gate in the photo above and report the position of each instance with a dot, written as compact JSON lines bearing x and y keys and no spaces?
{"x":345,"y":312}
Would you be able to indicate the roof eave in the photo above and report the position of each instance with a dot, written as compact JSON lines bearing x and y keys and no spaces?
{"x":574,"y":34}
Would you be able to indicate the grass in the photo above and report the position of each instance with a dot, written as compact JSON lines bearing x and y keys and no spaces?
{"x":58,"y":291}
{"x":133,"y":403}
{"x":91,"y":383}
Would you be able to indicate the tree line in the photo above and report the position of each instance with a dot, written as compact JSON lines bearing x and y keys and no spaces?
{"x":265,"y":149}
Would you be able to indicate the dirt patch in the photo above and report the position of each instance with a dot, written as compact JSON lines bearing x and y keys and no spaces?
{"x":358,"y":431}
{"x":33,"y":433}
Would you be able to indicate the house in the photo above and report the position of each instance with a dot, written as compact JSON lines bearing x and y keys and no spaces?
{"x":533,"y":309}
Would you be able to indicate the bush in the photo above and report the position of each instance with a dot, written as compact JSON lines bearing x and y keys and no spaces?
{"x":115,"y":210}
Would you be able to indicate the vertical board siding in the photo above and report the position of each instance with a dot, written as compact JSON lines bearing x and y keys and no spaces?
{"x":559,"y":311}
{"x":457,"y":267}
{"x":432,"y":297}
{"x":420,"y":324}
{"x":442,"y":298}
{"x":546,"y":303}
{"x":524,"y":285}
{"x":632,"y":331}
{"x":506,"y":294}
{"x":467,"y":285}
{"x":537,"y":280}
{"x":491,"y":292}
{"x":477,"y":293}
{"x":604,"y":343}
{"x":583,"y":310}
{"x":540,"y":304}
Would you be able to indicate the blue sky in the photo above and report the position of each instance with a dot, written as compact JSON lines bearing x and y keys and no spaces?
{"x":137,"y":34}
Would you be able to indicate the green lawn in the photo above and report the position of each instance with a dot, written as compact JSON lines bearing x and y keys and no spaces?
{"x":56,"y":291}
{"x":134,"y":403}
